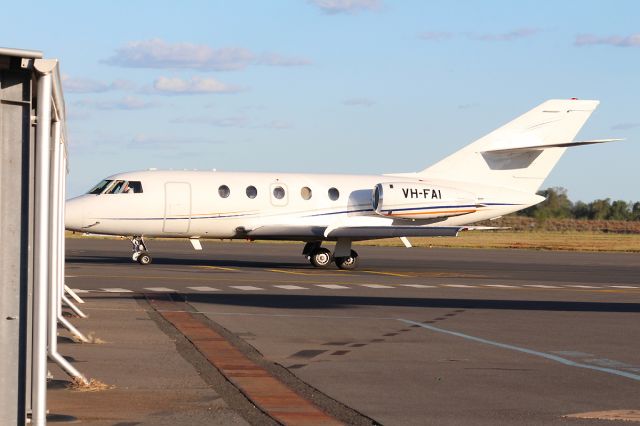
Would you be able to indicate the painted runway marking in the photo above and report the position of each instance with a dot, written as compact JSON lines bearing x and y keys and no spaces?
{"x":584,"y":286}
{"x":332,"y":286}
{"x":376,"y":286}
{"x":500,"y":286}
{"x":219,"y":268}
{"x":160,"y":289}
{"x":392,"y":274}
{"x":459,"y":285}
{"x":117,"y":290}
{"x":291,"y":287}
{"x":246,"y":287}
{"x":418,"y":285}
{"x":288,"y":272}
{"x":526,"y":351}
{"x":541,"y":286}
{"x":203,"y":288}
{"x":624,"y":286}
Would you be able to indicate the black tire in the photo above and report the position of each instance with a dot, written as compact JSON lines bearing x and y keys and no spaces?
{"x":349,"y":262}
{"x":321,"y":258}
{"x":144,"y":258}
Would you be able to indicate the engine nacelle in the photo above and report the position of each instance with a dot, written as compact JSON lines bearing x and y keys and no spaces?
{"x":416,"y":200}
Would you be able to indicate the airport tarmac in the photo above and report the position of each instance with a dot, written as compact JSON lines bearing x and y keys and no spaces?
{"x":414,"y":336}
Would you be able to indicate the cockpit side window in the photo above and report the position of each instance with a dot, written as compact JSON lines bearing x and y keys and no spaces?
{"x":100,"y":187}
{"x":125,"y":187}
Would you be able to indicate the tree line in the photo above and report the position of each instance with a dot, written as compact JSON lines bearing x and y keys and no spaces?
{"x":558,"y":206}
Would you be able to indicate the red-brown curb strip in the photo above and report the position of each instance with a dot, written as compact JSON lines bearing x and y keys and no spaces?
{"x":265,"y":391}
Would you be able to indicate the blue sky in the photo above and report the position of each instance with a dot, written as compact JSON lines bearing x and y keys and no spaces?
{"x":346,"y":86}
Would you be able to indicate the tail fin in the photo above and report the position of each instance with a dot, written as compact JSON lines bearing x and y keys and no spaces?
{"x":521,"y":154}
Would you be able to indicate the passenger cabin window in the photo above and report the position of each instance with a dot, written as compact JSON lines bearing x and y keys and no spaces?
{"x":334,"y":194}
{"x":278,"y":192}
{"x":224,"y":191}
{"x":125,"y":187}
{"x":305,"y":193}
{"x":99,"y":187}
{"x":252,"y":192}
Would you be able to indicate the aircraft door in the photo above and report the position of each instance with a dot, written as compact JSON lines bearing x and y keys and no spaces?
{"x":279,"y":194}
{"x":177,"y":207}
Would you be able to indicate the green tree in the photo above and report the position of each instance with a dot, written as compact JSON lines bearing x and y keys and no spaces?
{"x":619,"y":211}
{"x":599,"y":209}
{"x":556,"y":205}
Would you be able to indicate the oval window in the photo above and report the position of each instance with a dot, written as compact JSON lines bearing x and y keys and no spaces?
{"x":252,"y":192}
{"x":278,"y":192}
{"x":224,"y":191}
{"x":334,"y":194}
{"x":305,"y":193}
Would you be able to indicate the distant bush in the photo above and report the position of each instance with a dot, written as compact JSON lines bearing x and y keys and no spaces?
{"x":558,"y":206}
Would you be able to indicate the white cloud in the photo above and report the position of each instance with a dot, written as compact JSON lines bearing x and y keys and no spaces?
{"x":127,"y":103}
{"x":436,"y":35}
{"x":275,"y":59}
{"x":87,"y":85}
{"x":508,"y":36}
{"x":333,"y":7}
{"x":632,"y":40}
{"x":625,"y":126}
{"x":157,"y":53}
{"x":196,"y":85}
{"x":237,"y":121}
{"x":363,"y":102}
{"x":145,"y":141}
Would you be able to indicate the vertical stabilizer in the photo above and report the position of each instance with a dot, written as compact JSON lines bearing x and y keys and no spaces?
{"x":521,"y":154}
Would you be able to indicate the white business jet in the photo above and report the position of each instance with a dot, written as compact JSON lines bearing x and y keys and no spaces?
{"x":494,"y":176}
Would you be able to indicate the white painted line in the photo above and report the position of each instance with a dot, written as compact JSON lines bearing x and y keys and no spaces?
{"x":541,"y":286}
{"x":246,"y":287}
{"x":584,"y":286}
{"x":160,"y":289}
{"x":459,"y":285}
{"x":525,"y":350}
{"x":203,"y":288}
{"x":376,"y":286}
{"x":623,"y":286}
{"x":117,"y":290}
{"x":500,"y":286}
{"x":418,"y":285}
{"x":79,"y":290}
{"x":332,"y":286}
{"x":291,"y":287}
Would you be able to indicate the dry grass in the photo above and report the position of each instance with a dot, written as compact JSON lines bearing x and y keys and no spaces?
{"x":92,"y":385}
{"x":571,"y":241}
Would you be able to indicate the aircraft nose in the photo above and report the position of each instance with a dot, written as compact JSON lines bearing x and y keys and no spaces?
{"x":74,"y":215}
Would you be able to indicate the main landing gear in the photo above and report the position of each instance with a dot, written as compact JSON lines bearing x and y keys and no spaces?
{"x":140,"y":253}
{"x":321,"y":257}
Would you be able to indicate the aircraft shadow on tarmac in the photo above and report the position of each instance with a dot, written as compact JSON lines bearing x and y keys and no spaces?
{"x":228,"y":263}
{"x":280,"y":301}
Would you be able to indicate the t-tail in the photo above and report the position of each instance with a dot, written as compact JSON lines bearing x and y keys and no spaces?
{"x":521,"y":154}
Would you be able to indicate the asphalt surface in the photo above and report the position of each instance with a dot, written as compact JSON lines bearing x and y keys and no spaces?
{"x":414,"y":336}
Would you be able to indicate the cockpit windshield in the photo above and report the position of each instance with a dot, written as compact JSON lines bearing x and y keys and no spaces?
{"x":117,"y":187}
{"x":99,"y":187}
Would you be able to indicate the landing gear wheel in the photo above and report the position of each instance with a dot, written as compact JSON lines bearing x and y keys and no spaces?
{"x":135,"y":256}
{"x":349,"y":262}
{"x":144,"y":258}
{"x":320,"y":258}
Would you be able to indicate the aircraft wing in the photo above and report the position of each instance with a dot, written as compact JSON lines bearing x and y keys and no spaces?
{"x":351,"y":232}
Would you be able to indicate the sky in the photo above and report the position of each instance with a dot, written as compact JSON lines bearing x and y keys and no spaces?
{"x":333,"y":86}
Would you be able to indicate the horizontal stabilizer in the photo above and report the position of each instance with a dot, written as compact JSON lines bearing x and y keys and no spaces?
{"x":545,"y":146}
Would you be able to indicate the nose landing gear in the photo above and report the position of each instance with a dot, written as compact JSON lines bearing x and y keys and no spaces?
{"x":140,"y":253}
